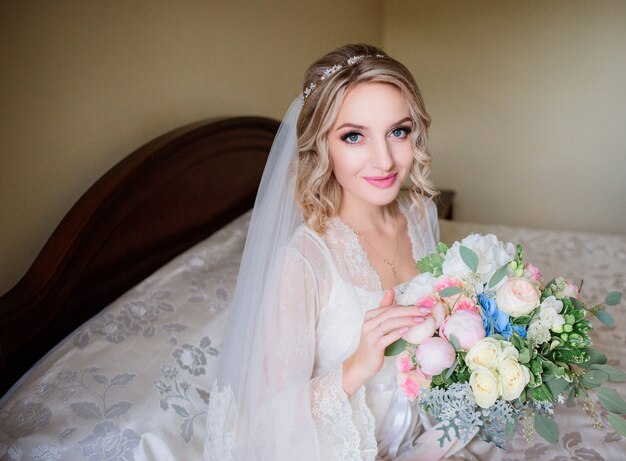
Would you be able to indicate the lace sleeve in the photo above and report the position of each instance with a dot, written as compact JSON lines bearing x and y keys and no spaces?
{"x":344,"y":428}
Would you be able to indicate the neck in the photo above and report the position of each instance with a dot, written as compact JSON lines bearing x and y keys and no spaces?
{"x":367,"y":218}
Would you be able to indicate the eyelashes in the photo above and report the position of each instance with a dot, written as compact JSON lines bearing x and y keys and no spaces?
{"x":355,"y":137}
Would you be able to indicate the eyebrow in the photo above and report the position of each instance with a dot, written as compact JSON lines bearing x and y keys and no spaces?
{"x":361,"y":127}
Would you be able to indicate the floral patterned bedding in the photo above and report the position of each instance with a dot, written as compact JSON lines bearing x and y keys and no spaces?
{"x":132,"y":383}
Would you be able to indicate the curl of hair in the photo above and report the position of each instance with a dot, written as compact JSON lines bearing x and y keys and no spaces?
{"x":317,"y":191}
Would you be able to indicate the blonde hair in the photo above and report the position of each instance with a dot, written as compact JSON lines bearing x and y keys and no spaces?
{"x":317,"y":191}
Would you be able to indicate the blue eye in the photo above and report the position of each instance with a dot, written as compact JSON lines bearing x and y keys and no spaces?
{"x":400,"y":132}
{"x":352,"y":137}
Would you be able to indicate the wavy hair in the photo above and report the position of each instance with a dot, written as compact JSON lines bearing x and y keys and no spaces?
{"x":318,"y":193}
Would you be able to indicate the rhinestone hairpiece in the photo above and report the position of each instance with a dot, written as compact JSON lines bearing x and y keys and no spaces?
{"x":329,"y":71}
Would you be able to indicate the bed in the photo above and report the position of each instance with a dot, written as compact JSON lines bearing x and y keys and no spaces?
{"x":123,"y":309}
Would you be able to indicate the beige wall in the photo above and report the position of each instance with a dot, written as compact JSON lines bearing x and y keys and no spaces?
{"x":528,"y":98}
{"x":82,"y":84}
{"x":528,"y":101}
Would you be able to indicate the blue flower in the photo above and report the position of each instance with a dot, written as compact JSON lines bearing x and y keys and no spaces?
{"x":496,"y":321}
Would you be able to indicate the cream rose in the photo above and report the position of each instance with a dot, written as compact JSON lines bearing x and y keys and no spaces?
{"x":513,"y":378}
{"x":517,"y":297}
{"x":508,"y":351}
{"x":484,"y":354}
{"x":485,"y":386}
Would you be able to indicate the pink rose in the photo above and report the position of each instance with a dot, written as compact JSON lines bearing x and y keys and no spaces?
{"x":466,"y":304}
{"x":421,"y":331}
{"x":404,"y":362}
{"x":434,"y":355}
{"x":517,"y":297}
{"x":412,"y":383}
{"x":532,"y":272}
{"x":466,"y":326}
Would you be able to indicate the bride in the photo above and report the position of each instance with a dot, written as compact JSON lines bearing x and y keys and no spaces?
{"x":302,"y":374}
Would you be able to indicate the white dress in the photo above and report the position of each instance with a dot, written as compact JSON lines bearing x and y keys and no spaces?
{"x":326,"y":287}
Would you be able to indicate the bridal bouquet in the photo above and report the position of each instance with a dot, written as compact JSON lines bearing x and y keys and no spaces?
{"x":501,"y":345}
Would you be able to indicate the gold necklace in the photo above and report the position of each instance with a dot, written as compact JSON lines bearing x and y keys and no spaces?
{"x":391,"y":263}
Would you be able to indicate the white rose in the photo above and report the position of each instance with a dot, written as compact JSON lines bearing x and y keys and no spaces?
{"x":538,"y":333}
{"x":517,"y":297}
{"x":513,"y":378}
{"x":492,"y":254}
{"x":554,"y":303}
{"x":508,"y":351}
{"x":417,"y":288}
{"x":485,"y":353}
{"x":485,"y":386}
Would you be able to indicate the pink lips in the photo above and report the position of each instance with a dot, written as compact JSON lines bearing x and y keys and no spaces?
{"x":382,"y":182}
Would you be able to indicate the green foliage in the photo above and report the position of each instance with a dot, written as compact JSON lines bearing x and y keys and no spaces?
{"x":395,"y":348}
{"x":605,"y":317}
{"x":432,"y":263}
{"x":595,"y":357}
{"x":546,"y":428}
{"x":469,"y":257}
{"x":613,"y":298}
{"x":614,"y":374}
{"x":617,"y":423}
{"x":498,"y":276}
{"x":450,"y":291}
{"x":611,"y":400}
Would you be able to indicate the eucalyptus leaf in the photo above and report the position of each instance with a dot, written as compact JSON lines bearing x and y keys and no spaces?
{"x":605,"y":318}
{"x":576,"y":303}
{"x":595,"y":376}
{"x":450,"y":370}
{"x":455,"y":342}
{"x":595,"y":358}
{"x":611,"y":400}
{"x":395,"y":348}
{"x":556,"y":386}
{"x":498,"y":276}
{"x":546,"y":428}
{"x":617,"y":423}
{"x":613,"y":298}
{"x":450,"y":291}
{"x":511,"y":426}
{"x":469,"y":257}
{"x":615,"y":374}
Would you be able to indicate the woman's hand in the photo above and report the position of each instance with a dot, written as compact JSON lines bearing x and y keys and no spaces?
{"x":381,"y":327}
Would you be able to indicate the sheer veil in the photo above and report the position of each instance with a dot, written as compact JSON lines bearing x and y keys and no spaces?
{"x":242,"y":389}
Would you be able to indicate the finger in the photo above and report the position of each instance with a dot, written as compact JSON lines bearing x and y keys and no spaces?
{"x":402,"y":311}
{"x":392,"y":337}
{"x":388,"y":298}
{"x":387,"y":326}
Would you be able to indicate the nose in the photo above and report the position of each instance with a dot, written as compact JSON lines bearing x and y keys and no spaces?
{"x":382,"y":156}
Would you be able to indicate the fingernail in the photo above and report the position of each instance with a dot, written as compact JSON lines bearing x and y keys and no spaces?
{"x":424,"y":310}
{"x":418,"y":319}
{"x":403,"y":330}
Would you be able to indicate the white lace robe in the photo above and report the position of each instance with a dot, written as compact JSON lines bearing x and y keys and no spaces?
{"x":327,"y":286}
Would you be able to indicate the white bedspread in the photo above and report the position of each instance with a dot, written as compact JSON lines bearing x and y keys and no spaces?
{"x":131,"y":384}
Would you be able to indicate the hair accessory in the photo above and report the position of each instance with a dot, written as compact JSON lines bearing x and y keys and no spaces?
{"x":329,"y":71}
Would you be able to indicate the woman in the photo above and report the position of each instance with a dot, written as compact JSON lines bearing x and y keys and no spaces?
{"x":302,"y":374}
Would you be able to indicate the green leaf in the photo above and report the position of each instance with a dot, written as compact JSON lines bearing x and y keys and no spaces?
{"x":617,"y":423}
{"x":498,"y":276}
{"x":546,"y":428}
{"x":615,"y":374}
{"x":442,"y":248}
{"x":613,"y":298}
{"x":605,"y":318}
{"x":450,"y":370}
{"x":511,"y":425}
{"x":541,"y":393}
{"x":395,"y":348}
{"x":611,"y":400}
{"x":595,"y":357}
{"x":576,"y":303}
{"x":556,"y":386}
{"x":450,"y":291}
{"x":594,"y":378}
{"x":469,"y":257}
{"x":455,"y":342}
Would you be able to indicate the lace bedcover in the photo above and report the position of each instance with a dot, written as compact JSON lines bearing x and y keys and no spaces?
{"x":132,"y":383}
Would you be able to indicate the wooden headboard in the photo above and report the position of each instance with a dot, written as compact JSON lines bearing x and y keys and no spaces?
{"x":160,"y":200}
